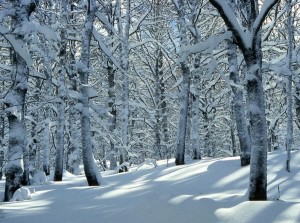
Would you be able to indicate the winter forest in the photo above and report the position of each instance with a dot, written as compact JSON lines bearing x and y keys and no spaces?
{"x":92,"y":86}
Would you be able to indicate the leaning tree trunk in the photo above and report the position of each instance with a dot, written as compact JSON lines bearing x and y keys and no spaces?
{"x":58,"y":172}
{"x":15,"y":104}
{"x":87,"y":149}
{"x":238,"y":105}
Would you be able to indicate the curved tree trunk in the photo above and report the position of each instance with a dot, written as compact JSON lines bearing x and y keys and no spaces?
{"x":87,"y":149}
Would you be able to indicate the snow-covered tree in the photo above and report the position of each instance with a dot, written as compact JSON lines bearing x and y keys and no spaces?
{"x":289,"y":131}
{"x":247,"y":34}
{"x":58,"y":173}
{"x":91,"y":172}
{"x":238,"y":105}
{"x":184,"y":94}
{"x":15,"y":173}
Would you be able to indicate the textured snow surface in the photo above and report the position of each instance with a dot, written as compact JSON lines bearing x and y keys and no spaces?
{"x":206,"y":191}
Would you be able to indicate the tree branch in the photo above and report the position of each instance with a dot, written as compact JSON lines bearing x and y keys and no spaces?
{"x":230,"y":20}
{"x":267,"y":6}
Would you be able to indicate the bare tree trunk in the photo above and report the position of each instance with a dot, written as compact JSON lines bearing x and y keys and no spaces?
{"x":251,"y":49}
{"x":87,"y":150}
{"x":233,"y":141}
{"x":289,"y":131}
{"x":158,"y":103}
{"x":195,"y":122}
{"x":184,"y":94}
{"x":124,"y":61}
{"x":15,"y":101}
{"x":48,"y":95}
{"x":73,"y":154}
{"x":46,"y":133}
{"x":2,"y":130}
{"x":58,"y":172}
{"x":240,"y":115}
{"x":113,"y":112}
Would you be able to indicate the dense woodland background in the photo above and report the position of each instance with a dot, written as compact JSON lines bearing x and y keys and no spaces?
{"x":123,"y":81}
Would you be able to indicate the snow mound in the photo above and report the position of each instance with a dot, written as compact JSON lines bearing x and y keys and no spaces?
{"x":21,"y":194}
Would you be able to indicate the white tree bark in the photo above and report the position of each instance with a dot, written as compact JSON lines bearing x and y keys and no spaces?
{"x":195,"y":123}
{"x":184,"y":94}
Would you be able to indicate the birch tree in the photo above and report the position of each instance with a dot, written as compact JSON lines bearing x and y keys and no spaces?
{"x":184,"y":94}
{"x":249,"y":41}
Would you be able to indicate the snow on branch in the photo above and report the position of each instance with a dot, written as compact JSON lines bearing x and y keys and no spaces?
{"x":16,"y":45}
{"x":105,"y":49}
{"x":231,"y":21}
{"x":139,"y":22}
{"x":105,"y":22}
{"x":205,"y":47}
{"x":267,"y":6}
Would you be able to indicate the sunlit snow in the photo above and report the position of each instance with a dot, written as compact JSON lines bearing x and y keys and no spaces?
{"x":206,"y":191}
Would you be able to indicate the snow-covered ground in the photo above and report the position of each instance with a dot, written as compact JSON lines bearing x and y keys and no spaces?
{"x":206,"y":191}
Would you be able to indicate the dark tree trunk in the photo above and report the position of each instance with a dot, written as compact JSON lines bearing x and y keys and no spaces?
{"x":238,"y":106}
{"x":251,"y":49}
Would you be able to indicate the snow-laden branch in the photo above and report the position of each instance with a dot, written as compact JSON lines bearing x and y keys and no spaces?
{"x":102,"y":18}
{"x":231,"y":21}
{"x":205,"y":47}
{"x":105,"y":49}
{"x":17,"y":45}
{"x":267,"y":6}
{"x":142,"y":18}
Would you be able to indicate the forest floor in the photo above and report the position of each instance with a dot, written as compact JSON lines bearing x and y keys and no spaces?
{"x":206,"y":191}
